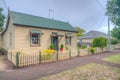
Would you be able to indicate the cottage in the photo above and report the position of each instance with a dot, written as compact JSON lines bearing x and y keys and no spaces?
{"x":88,"y":37}
{"x":29,"y":34}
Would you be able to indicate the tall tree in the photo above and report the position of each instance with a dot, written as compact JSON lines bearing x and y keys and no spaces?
{"x":2,"y":17}
{"x":113,"y":11}
{"x":116,"y":32}
{"x":80,"y":31}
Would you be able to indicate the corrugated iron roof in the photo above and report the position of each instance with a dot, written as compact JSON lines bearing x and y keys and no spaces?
{"x":93,"y":34}
{"x":39,"y":22}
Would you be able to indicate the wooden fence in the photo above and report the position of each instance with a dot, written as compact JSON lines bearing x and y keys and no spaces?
{"x":21,"y":60}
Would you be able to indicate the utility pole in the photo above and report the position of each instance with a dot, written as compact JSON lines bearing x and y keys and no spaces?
{"x":50,"y":10}
{"x":109,"y":47}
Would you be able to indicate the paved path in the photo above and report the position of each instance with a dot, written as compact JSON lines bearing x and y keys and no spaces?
{"x":37,"y":71}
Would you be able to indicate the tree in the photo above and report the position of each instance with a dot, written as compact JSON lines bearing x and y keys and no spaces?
{"x":80,"y":31}
{"x":113,"y":11}
{"x":116,"y":32}
{"x":114,"y":41}
{"x":100,"y":42}
{"x":2,"y":17}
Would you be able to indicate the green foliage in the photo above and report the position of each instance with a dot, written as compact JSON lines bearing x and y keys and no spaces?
{"x":46,"y":57}
{"x":92,"y":50}
{"x":51,"y":46}
{"x":113,"y":11}
{"x":116,"y":32}
{"x":66,"y":48}
{"x":80,"y":31}
{"x":18,"y":52}
{"x":3,"y":51}
{"x":114,"y":41}
{"x":84,"y":46}
{"x":99,"y":42}
{"x":2,"y":17}
{"x":61,"y":46}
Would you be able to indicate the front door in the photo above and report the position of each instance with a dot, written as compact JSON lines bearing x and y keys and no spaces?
{"x":55,"y":42}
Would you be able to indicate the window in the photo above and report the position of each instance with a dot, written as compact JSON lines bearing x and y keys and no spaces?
{"x":67,"y":40}
{"x":35,"y":39}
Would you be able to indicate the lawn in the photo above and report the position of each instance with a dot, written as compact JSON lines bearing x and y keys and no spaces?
{"x":114,"y":58}
{"x":87,"y":72}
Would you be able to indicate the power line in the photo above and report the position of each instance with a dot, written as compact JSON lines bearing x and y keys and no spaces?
{"x":5,"y":4}
{"x":109,"y":48}
{"x":100,"y":4}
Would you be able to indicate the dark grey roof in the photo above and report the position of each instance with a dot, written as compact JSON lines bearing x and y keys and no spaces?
{"x":93,"y":34}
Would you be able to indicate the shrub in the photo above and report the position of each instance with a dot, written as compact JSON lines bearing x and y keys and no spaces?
{"x":66,"y":48}
{"x":51,"y":46}
{"x":92,"y":50}
{"x":19,"y":52}
{"x":61,"y":46}
{"x":84,"y":46}
{"x":48,"y":51}
{"x":3,"y":51}
{"x":47,"y":54}
{"x":114,"y":41}
{"x":100,"y":42}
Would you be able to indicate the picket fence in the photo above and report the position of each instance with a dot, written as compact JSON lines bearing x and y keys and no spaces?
{"x":21,"y":60}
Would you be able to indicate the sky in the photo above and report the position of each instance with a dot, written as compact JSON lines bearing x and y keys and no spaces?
{"x":87,"y":14}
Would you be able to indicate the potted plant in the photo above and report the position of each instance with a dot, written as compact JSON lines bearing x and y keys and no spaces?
{"x":51,"y":46}
{"x":61,"y":47}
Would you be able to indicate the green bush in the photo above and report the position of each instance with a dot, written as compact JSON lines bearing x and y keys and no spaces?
{"x":51,"y":46}
{"x":114,"y":41}
{"x":66,"y":48}
{"x":92,"y":50}
{"x":3,"y":51}
{"x":84,"y":46}
{"x":61,"y":46}
{"x":100,"y":42}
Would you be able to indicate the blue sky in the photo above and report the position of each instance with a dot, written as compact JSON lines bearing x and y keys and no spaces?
{"x":86,"y":14}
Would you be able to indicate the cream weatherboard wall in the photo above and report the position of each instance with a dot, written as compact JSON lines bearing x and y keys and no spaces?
{"x":22,"y":39}
{"x":0,"y":41}
{"x":8,"y":37}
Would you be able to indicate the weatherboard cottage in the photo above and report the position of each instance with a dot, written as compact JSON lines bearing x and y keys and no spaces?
{"x":30,"y":34}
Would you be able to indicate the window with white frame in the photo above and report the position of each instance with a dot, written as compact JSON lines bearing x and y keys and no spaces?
{"x":68,"y":38}
{"x":35,"y":39}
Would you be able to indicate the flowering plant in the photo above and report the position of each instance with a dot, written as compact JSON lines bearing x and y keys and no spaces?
{"x":48,"y":51}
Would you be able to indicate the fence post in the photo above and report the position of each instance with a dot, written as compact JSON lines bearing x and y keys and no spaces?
{"x":11,"y":55}
{"x":78,"y":52}
{"x":40,"y":57}
{"x":57,"y":56}
{"x":17,"y":59}
{"x":70,"y":54}
{"x":88,"y":51}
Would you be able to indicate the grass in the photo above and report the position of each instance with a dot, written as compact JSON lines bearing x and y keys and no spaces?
{"x":114,"y":58}
{"x":87,"y":72}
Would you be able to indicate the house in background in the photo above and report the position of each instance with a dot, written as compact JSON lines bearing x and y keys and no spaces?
{"x":30,"y":34}
{"x":88,"y":37}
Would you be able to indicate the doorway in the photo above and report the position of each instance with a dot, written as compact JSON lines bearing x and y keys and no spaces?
{"x":54,"y":41}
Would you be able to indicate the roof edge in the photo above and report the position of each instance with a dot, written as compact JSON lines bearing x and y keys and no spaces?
{"x":42,"y":27}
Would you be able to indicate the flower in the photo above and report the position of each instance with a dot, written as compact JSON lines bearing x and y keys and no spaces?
{"x":48,"y":51}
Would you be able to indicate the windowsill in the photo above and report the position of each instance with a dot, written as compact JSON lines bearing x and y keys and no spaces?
{"x":34,"y":45}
